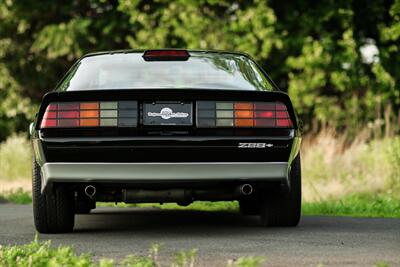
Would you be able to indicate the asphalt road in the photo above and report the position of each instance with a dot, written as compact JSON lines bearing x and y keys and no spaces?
{"x":116,"y":232}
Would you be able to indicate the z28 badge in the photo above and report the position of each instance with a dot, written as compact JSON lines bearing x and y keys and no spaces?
{"x":254,"y":145}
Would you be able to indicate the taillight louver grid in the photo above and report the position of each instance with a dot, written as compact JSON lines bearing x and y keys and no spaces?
{"x":212,"y":114}
{"x":91,"y":114}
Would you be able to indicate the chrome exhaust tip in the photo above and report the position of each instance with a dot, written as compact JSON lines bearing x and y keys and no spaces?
{"x":90,"y":191}
{"x":246,"y":189}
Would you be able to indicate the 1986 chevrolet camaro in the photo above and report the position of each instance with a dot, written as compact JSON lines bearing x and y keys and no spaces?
{"x":159,"y":126}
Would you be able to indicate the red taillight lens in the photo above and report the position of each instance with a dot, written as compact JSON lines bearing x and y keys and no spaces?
{"x":242,"y":114}
{"x":68,"y":114}
{"x":283,"y":123}
{"x":48,"y":123}
{"x":90,"y":114}
{"x":166,"y":55}
{"x":265,"y":114}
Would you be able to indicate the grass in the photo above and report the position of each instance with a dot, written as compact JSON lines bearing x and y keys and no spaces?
{"x":17,"y":196}
{"x":230,"y":206}
{"x":332,"y":168}
{"x":38,"y":254}
{"x":15,"y":158}
{"x":356,"y":205}
{"x":43,"y":254}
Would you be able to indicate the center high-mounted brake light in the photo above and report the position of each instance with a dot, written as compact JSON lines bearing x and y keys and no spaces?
{"x":212,"y":114}
{"x":90,"y":114}
{"x":166,"y":55}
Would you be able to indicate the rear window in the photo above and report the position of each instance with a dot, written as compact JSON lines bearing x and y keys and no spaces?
{"x":201,"y":71}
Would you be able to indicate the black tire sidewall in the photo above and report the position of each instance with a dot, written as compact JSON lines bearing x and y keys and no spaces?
{"x":53,"y":209}
{"x":283,"y":208}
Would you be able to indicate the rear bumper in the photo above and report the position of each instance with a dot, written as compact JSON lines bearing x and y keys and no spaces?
{"x":162,"y":172}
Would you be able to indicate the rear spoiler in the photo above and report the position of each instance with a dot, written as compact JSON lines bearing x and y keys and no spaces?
{"x":166,"y":95}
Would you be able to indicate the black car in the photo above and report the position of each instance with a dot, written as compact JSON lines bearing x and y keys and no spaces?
{"x":159,"y":126}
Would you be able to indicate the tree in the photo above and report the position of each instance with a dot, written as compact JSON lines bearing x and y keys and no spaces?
{"x":313,"y":50}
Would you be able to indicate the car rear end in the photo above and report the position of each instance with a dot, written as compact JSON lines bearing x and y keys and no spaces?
{"x":167,"y":139}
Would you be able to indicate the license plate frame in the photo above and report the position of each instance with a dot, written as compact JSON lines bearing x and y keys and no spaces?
{"x":168,"y":113}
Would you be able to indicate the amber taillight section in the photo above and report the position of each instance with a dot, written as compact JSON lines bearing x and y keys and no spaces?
{"x":212,"y":114}
{"x":90,"y":114}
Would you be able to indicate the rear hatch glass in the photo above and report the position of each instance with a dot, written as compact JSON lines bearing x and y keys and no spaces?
{"x":201,"y":71}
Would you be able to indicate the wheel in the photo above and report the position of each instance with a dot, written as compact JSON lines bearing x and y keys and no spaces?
{"x":249,"y":206}
{"x":53,"y":210}
{"x":284,"y":208}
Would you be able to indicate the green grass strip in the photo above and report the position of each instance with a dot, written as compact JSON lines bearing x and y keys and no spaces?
{"x":356,"y":205}
{"x":17,"y":197}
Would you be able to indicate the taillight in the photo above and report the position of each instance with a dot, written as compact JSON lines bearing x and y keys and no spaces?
{"x":242,"y":114}
{"x":166,"y":55}
{"x":90,"y":114}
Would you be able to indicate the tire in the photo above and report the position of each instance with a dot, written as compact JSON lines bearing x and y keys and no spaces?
{"x":284,"y":208}
{"x":249,"y":206}
{"x":53,"y":210}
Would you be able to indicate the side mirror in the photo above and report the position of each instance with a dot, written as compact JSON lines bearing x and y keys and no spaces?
{"x":31,"y":128}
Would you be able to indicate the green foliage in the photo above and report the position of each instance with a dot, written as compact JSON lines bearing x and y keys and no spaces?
{"x":37,"y":254}
{"x":382,"y":264}
{"x":185,"y":258}
{"x":230,"y":206}
{"x":314,"y":50}
{"x":17,"y":196}
{"x":41,"y":254}
{"x":62,"y":40}
{"x":355,"y":205}
{"x":358,"y":205}
{"x":39,"y":41}
{"x":246,"y":262}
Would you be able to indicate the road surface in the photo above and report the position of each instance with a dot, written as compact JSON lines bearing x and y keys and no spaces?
{"x":218,"y":236}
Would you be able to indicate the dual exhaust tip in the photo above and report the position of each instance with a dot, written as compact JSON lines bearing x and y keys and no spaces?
{"x":90,"y":191}
{"x":244,"y":189}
